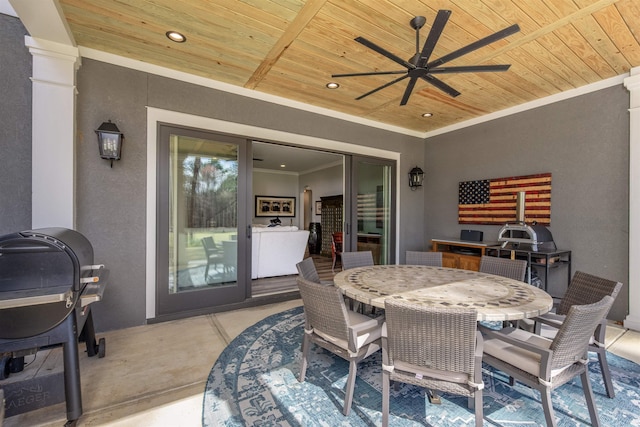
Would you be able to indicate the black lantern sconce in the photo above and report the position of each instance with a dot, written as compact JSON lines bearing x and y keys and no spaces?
{"x":109,"y":141}
{"x":415,"y":178}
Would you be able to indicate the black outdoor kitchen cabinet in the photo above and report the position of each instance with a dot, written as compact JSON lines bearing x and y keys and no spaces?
{"x":543,"y":261}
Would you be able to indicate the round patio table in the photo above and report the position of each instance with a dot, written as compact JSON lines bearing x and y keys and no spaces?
{"x":496,"y":298}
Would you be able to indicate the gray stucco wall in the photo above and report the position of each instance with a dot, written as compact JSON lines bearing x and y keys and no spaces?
{"x":15,"y":127}
{"x":583,"y":142}
{"x":111,"y":202}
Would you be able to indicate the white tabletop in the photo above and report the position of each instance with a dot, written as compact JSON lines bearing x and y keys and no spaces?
{"x":496,"y":298}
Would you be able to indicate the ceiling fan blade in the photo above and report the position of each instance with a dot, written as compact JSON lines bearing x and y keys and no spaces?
{"x":382,"y":87}
{"x":384,"y":52}
{"x":474,"y":46}
{"x":373,"y":73}
{"x":434,"y":35}
{"x":441,"y":85}
{"x":408,"y":90}
{"x":469,"y":69}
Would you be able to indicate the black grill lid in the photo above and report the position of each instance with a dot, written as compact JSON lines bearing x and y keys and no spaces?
{"x":40,"y":272}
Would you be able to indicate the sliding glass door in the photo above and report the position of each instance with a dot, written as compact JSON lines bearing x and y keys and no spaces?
{"x":202,"y":180}
{"x":370,"y":225}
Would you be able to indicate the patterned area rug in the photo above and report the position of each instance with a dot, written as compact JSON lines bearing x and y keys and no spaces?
{"x":254,"y":383}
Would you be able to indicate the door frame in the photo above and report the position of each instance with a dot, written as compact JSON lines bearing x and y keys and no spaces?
{"x":158,"y":115}
{"x":167,"y":303}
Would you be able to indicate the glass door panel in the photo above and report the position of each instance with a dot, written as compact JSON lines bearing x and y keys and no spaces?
{"x":372,"y":213}
{"x":199,"y":213}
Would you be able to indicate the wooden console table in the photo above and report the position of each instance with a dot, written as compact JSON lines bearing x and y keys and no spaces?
{"x":461,"y":253}
{"x":370,"y":242}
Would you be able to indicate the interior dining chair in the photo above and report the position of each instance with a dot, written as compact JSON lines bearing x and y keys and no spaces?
{"x":433,"y":259}
{"x":336,"y":248}
{"x":332,"y":326}
{"x":436,"y":348}
{"x":545,"y":364}
{"x":584,"y":289}
{"x":307,"y":269}
{"x":213,"y":253}
{"x":356,"y":259}
{"x":511,"y":268}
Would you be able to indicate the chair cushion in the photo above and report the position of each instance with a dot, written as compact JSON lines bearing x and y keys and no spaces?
{"x":368,"y":335}
{"x":364,"y":337}
{"x":520,"y":358}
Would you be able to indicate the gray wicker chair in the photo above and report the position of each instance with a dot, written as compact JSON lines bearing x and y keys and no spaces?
{"x":441,"y":345}
{"x":433,"y":259}
{"x":213,"y":253}
{"x":307,"y":269}
{"x":584,"y":289}
{"x":545,"y":364}
{"x":512,"y":268}
{"x":356,"y":259}
{"x":329,"y":324}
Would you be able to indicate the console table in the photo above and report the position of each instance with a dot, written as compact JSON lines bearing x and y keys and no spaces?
{"x":461,"y":253}
{"x":371,"y":242}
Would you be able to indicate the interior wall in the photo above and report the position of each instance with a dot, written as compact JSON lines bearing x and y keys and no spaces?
{"x":277,"y":184}
{"x":583,"y":142}
{"x":15,"y":122}
{"x":111,"y":202}
{"x":323,"y":183}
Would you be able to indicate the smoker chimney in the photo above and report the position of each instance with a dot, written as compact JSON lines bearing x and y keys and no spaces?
{"x":520,"y":202}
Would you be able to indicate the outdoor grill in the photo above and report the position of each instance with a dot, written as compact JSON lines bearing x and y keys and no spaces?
{"x":526,"y":237}
{"x":522,"y":236}
{"x":48,"y":280}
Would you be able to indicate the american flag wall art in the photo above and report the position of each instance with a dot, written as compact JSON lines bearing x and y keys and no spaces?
{"x":493,"y":201}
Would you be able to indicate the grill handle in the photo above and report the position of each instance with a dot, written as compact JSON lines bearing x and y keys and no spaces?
{"x":95,"y":278}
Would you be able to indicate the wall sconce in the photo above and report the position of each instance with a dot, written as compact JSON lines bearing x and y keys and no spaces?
{"x":109,"y":141}
{"x":415,"y":178}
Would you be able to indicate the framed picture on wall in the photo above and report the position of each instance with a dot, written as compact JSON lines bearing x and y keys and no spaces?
{"x":275,"y":206}
{"x":318,"y":207}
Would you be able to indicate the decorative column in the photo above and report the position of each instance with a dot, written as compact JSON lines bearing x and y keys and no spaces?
{"x":632,"y":83}
{"x":53,"y":123}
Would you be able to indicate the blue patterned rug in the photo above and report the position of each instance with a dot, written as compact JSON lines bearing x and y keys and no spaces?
{"x":254,"y":383}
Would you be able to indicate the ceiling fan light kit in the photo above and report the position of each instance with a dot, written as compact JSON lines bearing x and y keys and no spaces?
{"x":419,"y":66}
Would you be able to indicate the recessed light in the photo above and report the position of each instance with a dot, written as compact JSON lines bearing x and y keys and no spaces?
{"x":175,"y":36}
{"x":283,"y":166}
{"x":427,"y":114}
{"x":332,"y":85}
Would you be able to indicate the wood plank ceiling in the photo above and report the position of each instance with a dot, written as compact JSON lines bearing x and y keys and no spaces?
{"x":290,"y":48}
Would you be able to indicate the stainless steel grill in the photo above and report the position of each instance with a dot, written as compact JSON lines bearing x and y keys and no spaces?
{"x":520,"y":235}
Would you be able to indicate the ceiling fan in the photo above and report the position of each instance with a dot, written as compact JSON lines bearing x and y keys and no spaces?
{"x":419,"y":65}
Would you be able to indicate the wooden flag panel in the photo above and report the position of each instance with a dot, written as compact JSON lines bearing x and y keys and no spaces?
{"x":493,"y":201}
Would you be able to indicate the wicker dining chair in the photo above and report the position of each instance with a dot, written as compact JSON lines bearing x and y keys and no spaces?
{"x":545,"y":364}
{"x":356,"y":259}
{"x":332,"y":326}
{"x":436,"y":348}
{"x":511,"y":268}
{"x":433,"y":259}
{"x":584,"y":289}
{"x":213,"y":253}
{"x":307,"y":269}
